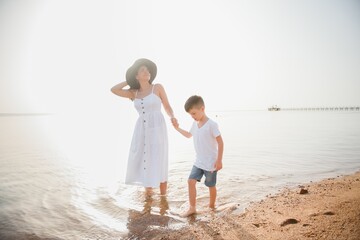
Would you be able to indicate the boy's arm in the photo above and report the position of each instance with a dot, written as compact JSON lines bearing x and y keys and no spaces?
{"x":182,"y":131}
{"x":218,"y":163}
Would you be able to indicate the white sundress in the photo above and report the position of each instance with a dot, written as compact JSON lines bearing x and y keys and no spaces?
{"x":148,"y":157}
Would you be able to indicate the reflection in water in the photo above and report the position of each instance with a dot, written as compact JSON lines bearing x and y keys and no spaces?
{"x":191,"y":219}
{"x":152,"y":217}
{"x":164,"y":205}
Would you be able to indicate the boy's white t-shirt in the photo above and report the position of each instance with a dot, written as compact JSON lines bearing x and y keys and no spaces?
{"x":205,"y":144}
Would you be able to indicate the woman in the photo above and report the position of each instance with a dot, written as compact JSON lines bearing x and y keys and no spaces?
{"x":148,"y":157}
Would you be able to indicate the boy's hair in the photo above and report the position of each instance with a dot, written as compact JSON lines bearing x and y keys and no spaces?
{"x":194,"y":101}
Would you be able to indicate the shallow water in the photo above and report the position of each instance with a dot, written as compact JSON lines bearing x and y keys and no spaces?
{"x":61,"y":176}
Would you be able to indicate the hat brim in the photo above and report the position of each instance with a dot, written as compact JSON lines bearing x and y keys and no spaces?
{"x":133,"y":70}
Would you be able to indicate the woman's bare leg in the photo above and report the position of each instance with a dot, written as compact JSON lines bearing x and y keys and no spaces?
{"x":163,"y":188}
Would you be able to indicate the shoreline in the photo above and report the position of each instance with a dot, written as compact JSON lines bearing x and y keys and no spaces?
{"x":326,"y":209}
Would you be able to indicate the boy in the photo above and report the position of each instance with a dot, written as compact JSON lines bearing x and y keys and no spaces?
{"x":209,"y":147}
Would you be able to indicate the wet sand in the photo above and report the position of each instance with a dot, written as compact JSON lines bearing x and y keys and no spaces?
{"x":329,"y":209}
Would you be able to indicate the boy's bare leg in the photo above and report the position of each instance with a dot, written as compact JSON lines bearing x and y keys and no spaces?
{"x":212,"y":191}
{"x":163,"y":188}
{"x":192,"y":192}
{"x":192,"y":198}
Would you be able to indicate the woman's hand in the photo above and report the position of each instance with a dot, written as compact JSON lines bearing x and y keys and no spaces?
{"x":175,"y":123}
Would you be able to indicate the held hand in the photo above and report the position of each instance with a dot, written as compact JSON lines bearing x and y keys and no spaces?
{"x":175,"y":123}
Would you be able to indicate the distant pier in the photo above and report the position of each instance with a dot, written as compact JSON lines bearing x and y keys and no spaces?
{"x":357,"y":108}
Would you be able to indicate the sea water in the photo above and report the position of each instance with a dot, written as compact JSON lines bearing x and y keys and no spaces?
{"x":61,"y":176}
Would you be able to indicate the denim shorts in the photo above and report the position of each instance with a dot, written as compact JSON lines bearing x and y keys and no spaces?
{"x":198,"y":173}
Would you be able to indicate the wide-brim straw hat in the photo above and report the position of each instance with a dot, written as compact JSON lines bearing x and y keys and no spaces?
{"x":133,"y":70}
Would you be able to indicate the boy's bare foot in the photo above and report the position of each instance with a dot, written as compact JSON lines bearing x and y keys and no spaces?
{"x":189,"y":212}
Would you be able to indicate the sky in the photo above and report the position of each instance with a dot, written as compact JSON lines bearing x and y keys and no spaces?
{"x":65,"y":55}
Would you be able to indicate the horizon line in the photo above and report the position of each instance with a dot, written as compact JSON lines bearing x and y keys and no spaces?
{"x":22,"y":113}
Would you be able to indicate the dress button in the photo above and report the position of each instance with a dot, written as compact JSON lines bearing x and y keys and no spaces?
{"x":143,"y":112}
{"x":144,"y":120}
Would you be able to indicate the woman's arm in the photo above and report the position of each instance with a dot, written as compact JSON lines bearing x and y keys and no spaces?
{"x":165,"y":101}
{"x":119,"y":90}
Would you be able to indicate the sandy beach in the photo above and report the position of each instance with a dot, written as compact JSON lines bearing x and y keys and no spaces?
{"x":329,"y":209}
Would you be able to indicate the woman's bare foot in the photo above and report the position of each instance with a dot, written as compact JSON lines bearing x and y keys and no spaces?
{"x":148,"y":192}
{"x":189,"y":212}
